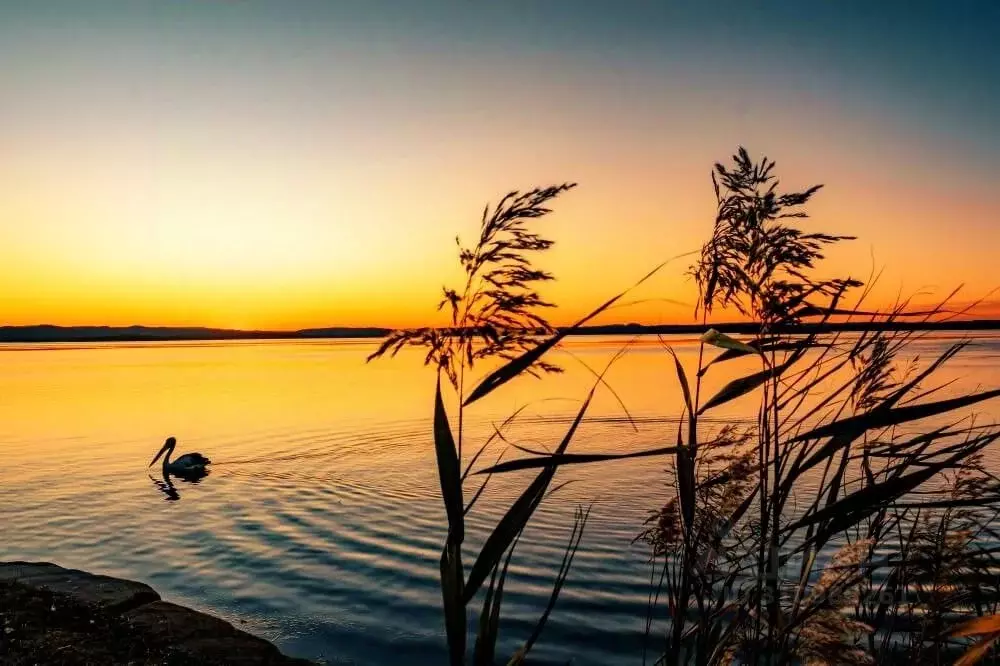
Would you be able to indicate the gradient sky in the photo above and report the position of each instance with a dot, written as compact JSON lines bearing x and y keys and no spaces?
{"x":288,"y":164}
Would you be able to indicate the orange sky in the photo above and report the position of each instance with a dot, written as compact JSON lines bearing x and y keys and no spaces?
{"x":227,"y":169}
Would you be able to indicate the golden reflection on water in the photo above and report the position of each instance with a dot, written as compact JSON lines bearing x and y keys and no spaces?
{"x":133,"y":395}
{"x":113,"y":404}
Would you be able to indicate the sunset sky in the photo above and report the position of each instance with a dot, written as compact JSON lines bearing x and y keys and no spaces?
{"x":283,"y":164}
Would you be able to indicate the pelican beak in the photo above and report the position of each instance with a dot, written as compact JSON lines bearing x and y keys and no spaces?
{"x":162,"y":451}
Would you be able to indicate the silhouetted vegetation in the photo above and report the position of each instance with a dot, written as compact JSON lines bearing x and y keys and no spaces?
{"x":851,"y":523}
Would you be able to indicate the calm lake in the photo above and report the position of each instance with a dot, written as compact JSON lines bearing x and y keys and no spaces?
{"x":320,"y":526}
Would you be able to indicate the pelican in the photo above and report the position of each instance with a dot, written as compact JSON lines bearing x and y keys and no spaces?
{"x":189,"y":464}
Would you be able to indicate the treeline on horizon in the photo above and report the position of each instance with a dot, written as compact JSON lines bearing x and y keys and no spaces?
{"x":51,"y":333}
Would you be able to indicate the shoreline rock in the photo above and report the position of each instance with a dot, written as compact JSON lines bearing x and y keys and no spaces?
{"x":54,"y":615}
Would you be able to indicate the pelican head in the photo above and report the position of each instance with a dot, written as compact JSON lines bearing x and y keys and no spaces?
{"x":168,"y":448}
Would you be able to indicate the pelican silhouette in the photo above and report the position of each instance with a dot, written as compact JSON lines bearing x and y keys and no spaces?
{"x":187,"y":465}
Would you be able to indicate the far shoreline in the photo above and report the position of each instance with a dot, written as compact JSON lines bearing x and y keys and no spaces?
{"x":81,"y":334}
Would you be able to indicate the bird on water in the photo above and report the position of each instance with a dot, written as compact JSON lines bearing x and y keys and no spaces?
{"x":189,"y":464}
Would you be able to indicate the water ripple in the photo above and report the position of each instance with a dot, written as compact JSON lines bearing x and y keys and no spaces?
{"x":320,"y":526}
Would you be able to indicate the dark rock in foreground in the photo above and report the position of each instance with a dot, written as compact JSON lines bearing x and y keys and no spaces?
{"x":52,"y":615}
{"x":113,"y":595}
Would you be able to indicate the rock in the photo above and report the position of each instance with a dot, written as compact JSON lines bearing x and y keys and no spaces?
{"x":114,"y":595}
{"x":133,"y":625}
{"x":167,"y":625}
{"x":238,"y":649}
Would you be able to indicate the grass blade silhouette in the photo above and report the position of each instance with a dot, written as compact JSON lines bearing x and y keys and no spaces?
{"x":682,"y":378}
{"x":742,"y":386}
{"x":452,"y":596}
{"x":449,"y":471}
{"x":484,"y":653}
{"x":579,"y":523}
{"x":884,"y":418}
{"x":517,"y":516}
{"x":516,"y":366}
{"x":557,"y":460}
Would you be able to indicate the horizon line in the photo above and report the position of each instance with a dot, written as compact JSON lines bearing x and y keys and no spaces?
{"x":52,"y":333}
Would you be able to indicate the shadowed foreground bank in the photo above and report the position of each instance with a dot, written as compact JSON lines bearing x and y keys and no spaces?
{"x":52,"y":615}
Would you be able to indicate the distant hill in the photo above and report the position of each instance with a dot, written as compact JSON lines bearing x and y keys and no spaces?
{"x":341,"y":332}
{"x":48,"y":333}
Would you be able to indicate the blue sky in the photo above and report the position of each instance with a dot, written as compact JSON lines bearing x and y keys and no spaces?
{"x":196,"y":161}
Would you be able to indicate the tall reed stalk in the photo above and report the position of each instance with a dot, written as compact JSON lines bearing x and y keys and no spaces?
{"x":495,"y":315}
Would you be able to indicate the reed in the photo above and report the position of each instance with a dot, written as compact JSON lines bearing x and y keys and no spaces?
{"x":496,"y":314}
{"x":851,"y":523}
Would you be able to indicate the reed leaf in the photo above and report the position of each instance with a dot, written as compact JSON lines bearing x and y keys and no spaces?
{"x":512,"y":523}
{"x":723,"y":341}
{"x":844,"y":439}
{"x":484,"y":653}
{"x":682,"y":378}
{"x":497,"y":434}
{"x":517,"y":516}
{"x":449,"y":470}
{"x":482,"y":486}
{"x":520,"y":364}
{"x":742,"y":386}
{"x":452,"y":593}
{"x":764,"y":348}
{"x":556,"y":460}
{"x":881,"y":418}
{"x":862,"y":503}
{"x":579,"y":523}
{"x":685,"y":465}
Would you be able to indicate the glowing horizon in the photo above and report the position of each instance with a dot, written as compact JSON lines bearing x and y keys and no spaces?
{"x":246,"y":165}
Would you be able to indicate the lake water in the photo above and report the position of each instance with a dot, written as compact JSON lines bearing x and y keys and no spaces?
{"x":320,"y":526}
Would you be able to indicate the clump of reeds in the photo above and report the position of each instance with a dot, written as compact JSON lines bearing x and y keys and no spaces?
{"x":840,"y":460}
{"x":801,"y":539}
